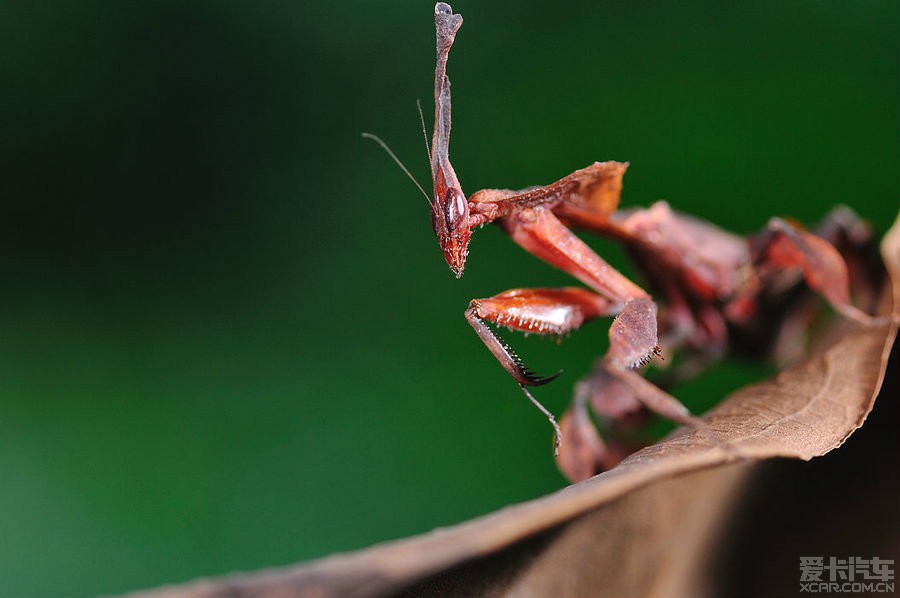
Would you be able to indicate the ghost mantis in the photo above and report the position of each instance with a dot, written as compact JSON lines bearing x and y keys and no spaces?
{"x":714,"y":284}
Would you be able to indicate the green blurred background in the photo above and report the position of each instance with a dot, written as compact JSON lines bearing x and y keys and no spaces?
{"x":229,"y":340}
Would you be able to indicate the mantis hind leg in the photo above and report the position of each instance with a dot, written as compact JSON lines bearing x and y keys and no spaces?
{"x":782,"y":246}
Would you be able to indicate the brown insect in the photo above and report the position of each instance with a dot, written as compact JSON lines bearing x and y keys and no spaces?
{"x":721,"y":292}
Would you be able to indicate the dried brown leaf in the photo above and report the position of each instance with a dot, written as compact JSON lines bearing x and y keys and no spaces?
{"x":636,"y":530}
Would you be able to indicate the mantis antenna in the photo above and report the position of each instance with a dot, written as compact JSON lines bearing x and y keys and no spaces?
{"x":424,"y":132}
{"x":385,"y":147}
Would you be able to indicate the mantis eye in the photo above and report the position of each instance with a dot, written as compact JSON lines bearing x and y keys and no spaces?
{"x":456,"y":210}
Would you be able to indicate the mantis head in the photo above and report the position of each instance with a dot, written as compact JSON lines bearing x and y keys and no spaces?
{"x":450,"y":218}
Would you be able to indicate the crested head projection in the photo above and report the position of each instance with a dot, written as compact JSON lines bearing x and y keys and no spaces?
{"x":450,"y":210}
